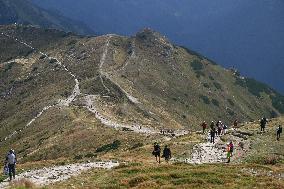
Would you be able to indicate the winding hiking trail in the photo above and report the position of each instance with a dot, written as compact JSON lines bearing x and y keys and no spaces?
{"x":49,"y":175}
{"x":102,"y":62}
{"x":207,"y":152}
{"x":65,"y":102}
{"x":89,"y":100}
{"x":90,"y":105}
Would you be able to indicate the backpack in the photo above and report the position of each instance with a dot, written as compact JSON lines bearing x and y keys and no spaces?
{"x":5,"y":170}
{"x":231,"y":148}
{"x":280,"y":129}
{"x":157,"y":148}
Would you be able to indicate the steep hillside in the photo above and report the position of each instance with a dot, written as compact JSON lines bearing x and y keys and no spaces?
{"x":25,"y":12}
{"x":68,"y":95}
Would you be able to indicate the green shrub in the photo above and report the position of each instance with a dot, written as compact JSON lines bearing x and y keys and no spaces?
{"x":137,"y":145}
{"x":199,"y":73}
{"x":72,"y":42}
{"x":8,"y":67}
{"x":197,"y":65}
{"x":240,"y":82}
{"x":2,"y":178}
{"x":205,"y":99}
{"x":231,"y":112}
{"x":53,"y":60}
{"x":231,"y":102}
{"x":217,"y":85}
{"x":90,"y":155}
{"x":42,"y":57}
{"x":273,"y":114}
{"x":215,"y":102}
{"x":211,"y":77}
{"x":189,"y":51}
{"x":206,"y":85}
{"x":108,"y":147}
{"x":254,"y":87}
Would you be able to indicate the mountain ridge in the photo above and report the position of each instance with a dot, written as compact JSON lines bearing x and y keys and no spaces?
{"x":27,"y":13}
{"x":231,"y":33}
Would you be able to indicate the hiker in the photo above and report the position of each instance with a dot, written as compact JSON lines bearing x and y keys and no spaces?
{"x":224,"y":129}
{"x":278,"y":132}
{"x":212,"y":135}
{"x":231,"y":148}
{"x":212,"y":125}
{"x":11,"y":162}
{"x":219,"y":129}
{"x":167,"y":154}
{"x":204,"y":125}
{"x":236,"y":123}
{"x":263,"y":122}
{"x":228,"y":150}
{"x":157,"y":152}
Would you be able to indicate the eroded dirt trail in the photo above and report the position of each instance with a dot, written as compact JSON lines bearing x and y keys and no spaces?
{"x":62,"y":102}
{"x":208,"y":152}
{"x":49,"y":175}
{"x":91,"y":106}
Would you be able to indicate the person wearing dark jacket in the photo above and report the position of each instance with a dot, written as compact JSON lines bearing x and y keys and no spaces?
{"x":212,"y":135}
{"x":167,"y":154}
{"x":263,"y":122}
{"x":204,"y":125}
{"x":278,"y":132}
{"x":157,"y":152}
{"x":212,"y":125}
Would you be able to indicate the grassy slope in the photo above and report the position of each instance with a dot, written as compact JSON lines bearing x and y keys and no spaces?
{"x":256,"y":171}
{"x":172,"y":176}
{"x":141,"y":171}
{"x":169,"y":83}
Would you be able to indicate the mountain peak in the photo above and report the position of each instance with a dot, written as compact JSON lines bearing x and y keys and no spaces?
{"x":152,"y":36}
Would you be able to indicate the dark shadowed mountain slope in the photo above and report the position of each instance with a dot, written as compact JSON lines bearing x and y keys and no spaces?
{"x":25,"y":12}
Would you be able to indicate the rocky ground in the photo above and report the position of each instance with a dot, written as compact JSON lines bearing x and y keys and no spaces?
{"x":49,"y":175}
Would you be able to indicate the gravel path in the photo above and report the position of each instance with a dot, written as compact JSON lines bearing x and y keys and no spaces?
{"x":49,"y":175}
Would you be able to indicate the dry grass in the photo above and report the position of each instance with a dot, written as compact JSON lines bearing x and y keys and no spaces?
{"x":172,"y":176}
{"x":22,"y":184}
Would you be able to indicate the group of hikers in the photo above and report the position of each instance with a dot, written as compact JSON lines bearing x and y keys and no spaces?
{"x":167,"y":154}
{"x":217,"y":129}
{"x":263,"y":123}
